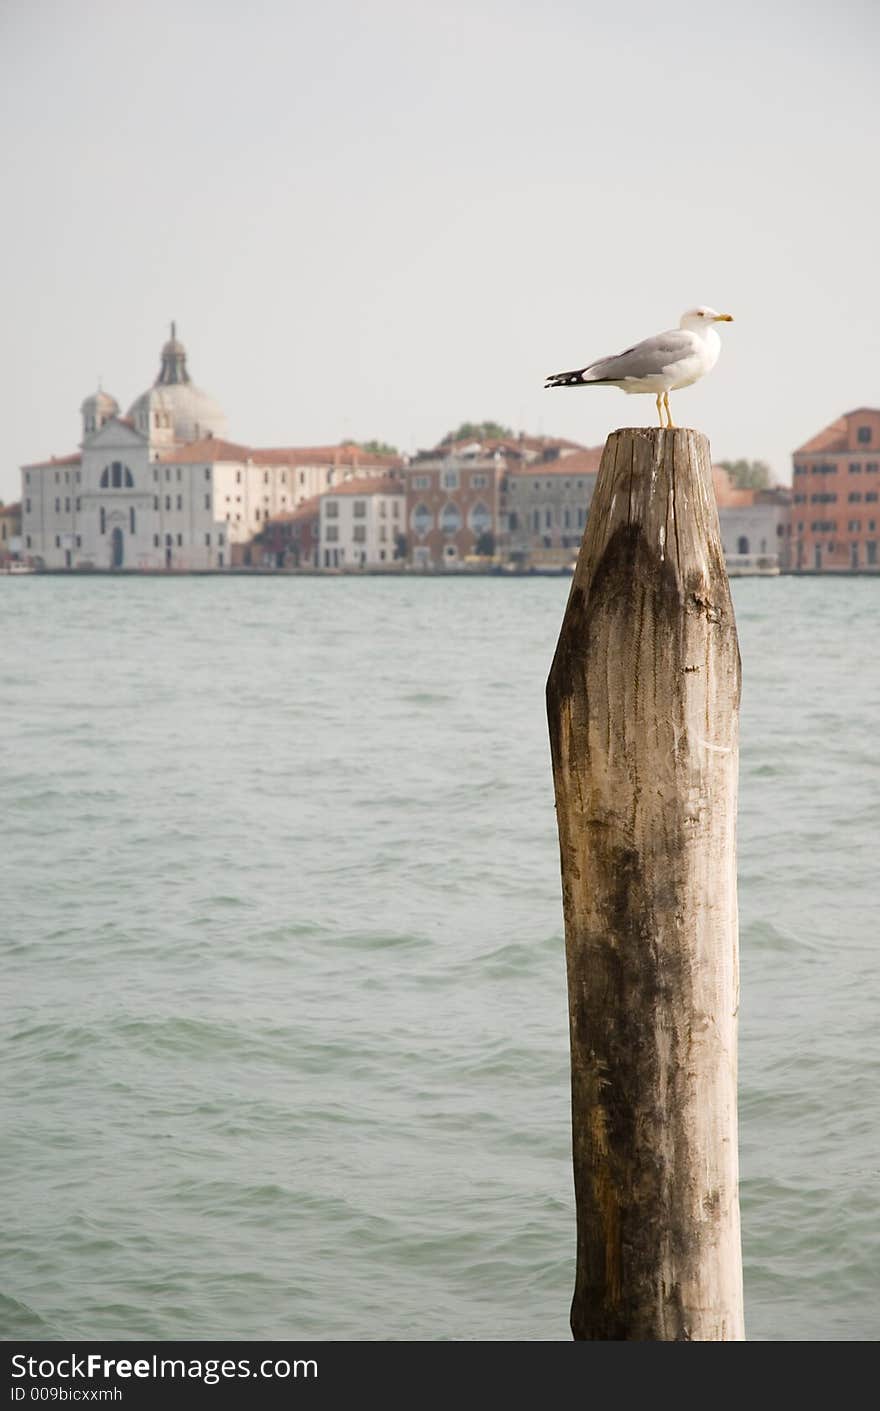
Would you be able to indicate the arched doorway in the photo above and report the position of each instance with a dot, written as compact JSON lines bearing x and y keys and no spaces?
{"x":118,"y":547}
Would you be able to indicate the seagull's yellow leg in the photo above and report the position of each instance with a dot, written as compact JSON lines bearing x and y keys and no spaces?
{"x":669,"y":421}
{"x":660,"y":408}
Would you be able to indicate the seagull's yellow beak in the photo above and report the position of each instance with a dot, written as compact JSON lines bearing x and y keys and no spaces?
{"x":723,"y":318}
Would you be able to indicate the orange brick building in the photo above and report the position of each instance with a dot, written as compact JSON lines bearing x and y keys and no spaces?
{"x":835,"y":511}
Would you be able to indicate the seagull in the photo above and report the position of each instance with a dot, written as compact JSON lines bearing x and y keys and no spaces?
{"x":674,"y":359}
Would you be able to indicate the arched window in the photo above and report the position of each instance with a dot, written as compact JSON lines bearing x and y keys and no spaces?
{"x":422,"y":520}
{"x":480,"y":519}
{"x":117,"y":476}
{"x":450,"y":518}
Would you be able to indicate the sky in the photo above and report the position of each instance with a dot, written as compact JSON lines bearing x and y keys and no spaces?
{"x":379,"y":218}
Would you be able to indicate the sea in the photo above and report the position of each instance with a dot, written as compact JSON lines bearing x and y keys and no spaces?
{"x":284,"y":1038}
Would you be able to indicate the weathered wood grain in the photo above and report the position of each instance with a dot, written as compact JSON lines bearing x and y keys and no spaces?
{"x":643,"y":702}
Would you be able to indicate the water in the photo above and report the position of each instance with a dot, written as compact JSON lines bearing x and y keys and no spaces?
{"x":287,"y":1049}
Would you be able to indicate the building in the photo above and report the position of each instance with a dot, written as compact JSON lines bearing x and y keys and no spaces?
{"x":547,"y":501}
{"x":454,"y":506}
{"x":10,"y":532}
{"x":835,"y":511}
{"x":292,"y":539}
{"x":363,"y":524}
{"x":162,"y":487}
{"x":754,"y":525}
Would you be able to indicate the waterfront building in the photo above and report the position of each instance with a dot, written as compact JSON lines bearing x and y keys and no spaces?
{"x":363,"y":524}
{"x":754,"y":525}
{"x":10,"y":532}
{"x":835,"y":510}
{"x":547,"y":501}
{"x":454,"y":506}
{"x":162,"y":487}
{"x":292,"y":539}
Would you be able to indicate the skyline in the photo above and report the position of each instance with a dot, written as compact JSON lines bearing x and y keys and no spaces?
{"x":383,"y":223}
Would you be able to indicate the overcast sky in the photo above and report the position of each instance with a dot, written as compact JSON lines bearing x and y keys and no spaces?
{"x":377,"y":218}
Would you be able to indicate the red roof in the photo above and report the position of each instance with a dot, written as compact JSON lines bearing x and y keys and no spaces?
{"x":12,"y":510}
{"x":583,"y":462}
{"x":369,"y":485}
{"x":54,"y":460}
{"x":213,"y":448}
{"x":835,"y":438}
{"x":309,"y":509}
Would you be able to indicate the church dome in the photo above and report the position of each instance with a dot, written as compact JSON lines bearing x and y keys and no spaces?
{"x":97,"y":409}
{"x":174,"y":409}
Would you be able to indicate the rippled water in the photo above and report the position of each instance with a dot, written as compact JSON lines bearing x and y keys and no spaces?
{"x":287,"y":1048}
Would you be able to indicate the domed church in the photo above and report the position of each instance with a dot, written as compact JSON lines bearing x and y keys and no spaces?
{"x":107,"y":506}
{"x":161,"y":487}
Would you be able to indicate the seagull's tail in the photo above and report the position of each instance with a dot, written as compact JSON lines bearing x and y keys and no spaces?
{"x":579,"y":378}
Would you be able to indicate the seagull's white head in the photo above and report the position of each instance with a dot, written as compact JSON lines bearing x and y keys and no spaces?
{"x":702,"y":317}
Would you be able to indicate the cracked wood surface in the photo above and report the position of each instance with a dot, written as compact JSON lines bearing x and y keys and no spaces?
{"x":642,"y":703}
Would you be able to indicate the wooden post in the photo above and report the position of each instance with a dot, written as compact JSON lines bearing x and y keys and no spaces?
{"x":642,"y":702}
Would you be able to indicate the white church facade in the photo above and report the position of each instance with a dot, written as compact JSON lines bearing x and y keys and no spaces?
{"x":161,"y":488}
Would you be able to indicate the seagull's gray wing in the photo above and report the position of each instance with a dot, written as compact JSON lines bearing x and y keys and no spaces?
{"x":644,"y":359}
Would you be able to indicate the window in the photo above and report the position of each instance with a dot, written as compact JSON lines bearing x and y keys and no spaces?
{"x":167,"y":502}
{"x":168,"y":541}
{"x":871,"y":496}
{"x":57,"y":478}
{"x":57,"y":505}
{"x":582,"y":517}
{"x":58,"y":541}
{"x":450,"y":518}
{"x":180,"y":541}
{"x":359,"y":534}
{"x":207,"y":541}
{"x":28,"y":541}
{"x":479,"y":482}
{"x":332,"y":509}
{"x":265,"y":477}
{"x":566,"y":518}
{"x":863,"y":436}
{"x":179,"y":473}
{"x":207,"y":502}
{"x":855,"y":496}
{"x":422,"y":520}
{"x":167,"y":473}
{"x":79,"y":542}
{"x":27,"y":506}
{"x":450,"y":480}
{"x":480,"y":519}
{"x":360,"y":509}
{"x":155,"y":541}
{"x":220,"y":539}
{"x":103,"y":520}
{"x":383,"y":533}
{"x":383,"y":509}
{"x":513,"y":520}
{"x":302,"y":477}
{"x":77,"y":504}
{"x":872,"y":467}
{"x":395,"y":509}
{"x":257,"y":512}
{"x":78,"y":476}
{"x":207,"y":472}
{"x":180,"y":502}
{"x":855,"y":468}
{"x":131,"y":519}
{"x":67,"y":504}
{"x":332,"y":533}
{"x":548,"y":518}
{"x":155,"y":473}
{"x":238,"y":477}
{"x":421,"y":482}
{"x":27,"y":477}
{"x":853,"y":526}
{"x":155,"y":502}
